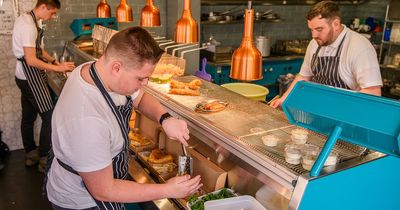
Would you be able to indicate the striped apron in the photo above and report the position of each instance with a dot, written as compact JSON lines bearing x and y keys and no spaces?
{"x":326,"y":68}
{"x":37,"y":78}
{"x":120,"y":161}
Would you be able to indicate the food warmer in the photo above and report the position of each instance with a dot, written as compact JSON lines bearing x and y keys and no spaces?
{"x":367,"y":126}
{"x":229,"y":142}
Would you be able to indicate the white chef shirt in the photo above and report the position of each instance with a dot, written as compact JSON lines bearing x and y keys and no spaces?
{"x":358,"y":66}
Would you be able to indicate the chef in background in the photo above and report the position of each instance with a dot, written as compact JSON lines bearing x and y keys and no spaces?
{"x":337,"y":56}
{"x":31,"y":79}
{"x":90,"y":129}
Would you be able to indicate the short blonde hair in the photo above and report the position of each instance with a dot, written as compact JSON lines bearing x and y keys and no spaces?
{"x":134,"y":46}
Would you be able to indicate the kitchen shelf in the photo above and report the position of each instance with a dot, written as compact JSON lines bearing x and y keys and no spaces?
{"x":391,"y":43}
{"x":391,"y":67}
{"x":392,"y":21}
{"x":239,"y":22}
{"x":276,"y":2}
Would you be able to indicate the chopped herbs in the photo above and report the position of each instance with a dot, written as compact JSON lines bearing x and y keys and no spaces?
{"x":197,"y":203}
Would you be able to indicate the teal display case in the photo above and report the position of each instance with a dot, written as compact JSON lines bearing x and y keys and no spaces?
{"x":366,"y":182}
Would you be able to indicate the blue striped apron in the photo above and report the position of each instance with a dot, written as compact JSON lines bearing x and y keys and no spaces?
{"x":326,"y":68}
{"x":37,"y":78}
{"x":120,"y":161}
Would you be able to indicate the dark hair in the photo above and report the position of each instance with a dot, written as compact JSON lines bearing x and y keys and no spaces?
{"x":325,"y":9}
{"x":134,"y":46}
{"x":49,"y":3}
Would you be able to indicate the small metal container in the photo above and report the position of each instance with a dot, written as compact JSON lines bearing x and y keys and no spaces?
{"x":263,"y":44}
{"x":185,"y":163}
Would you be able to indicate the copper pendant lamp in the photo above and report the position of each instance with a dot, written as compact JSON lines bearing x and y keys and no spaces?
{"x":124,"y":12}
{"x":186,"y":28}
{"x":247,"y":60}
{"x":103,"y":9}
{"x":150,"y":16}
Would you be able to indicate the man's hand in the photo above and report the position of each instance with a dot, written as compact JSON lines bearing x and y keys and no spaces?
{"x":277,"y":102}
{"x":65,"y":66}
{"x":176,"y":129}
{"x":182,"y":186}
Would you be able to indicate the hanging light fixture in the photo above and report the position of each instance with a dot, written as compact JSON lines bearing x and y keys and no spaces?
{"x":247,"y":60}
{"x":186,"y":30}
{"x":124,"y":12}
{"x":103,"y":9}
{"x":150,"y":16}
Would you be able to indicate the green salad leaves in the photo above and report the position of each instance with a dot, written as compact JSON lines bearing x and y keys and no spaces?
{"x":197,"y":203}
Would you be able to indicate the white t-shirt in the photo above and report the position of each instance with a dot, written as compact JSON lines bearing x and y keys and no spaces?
{"x":85,"y":136}
{"x":358,"y":66}
{"x":24,"y":35}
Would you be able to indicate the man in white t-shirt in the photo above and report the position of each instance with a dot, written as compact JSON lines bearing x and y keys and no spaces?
{"x":30,"y":76}
{"x":337,"y":56}
{"x":90,"y":129}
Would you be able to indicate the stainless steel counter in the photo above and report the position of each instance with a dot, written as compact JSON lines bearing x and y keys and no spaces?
{"x":227,"y":139}
{"x":232,"y":128}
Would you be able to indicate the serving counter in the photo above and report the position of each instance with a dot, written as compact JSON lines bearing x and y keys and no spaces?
{"x":232,"y":140}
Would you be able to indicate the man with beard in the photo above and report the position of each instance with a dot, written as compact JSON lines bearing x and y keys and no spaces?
{"x":337,"y":56}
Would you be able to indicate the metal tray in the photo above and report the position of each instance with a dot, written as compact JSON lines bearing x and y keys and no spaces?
{"x":162,"y":177}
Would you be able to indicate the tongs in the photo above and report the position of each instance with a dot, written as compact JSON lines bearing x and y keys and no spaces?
{"x":185,"y":163}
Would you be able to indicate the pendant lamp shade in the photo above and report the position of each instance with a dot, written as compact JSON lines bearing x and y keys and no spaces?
{"x":124,"y":12}
{"x":186,"y":30}
{"x":103,"y":9}
{"x":247,"y":60}
{"x":150,"y":16}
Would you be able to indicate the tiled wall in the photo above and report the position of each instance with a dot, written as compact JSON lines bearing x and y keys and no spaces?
{"x":293,"y":26}
{"x":73,"y":9}
{"x":57,"y":32}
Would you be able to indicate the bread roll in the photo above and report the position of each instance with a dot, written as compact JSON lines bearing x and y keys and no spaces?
{"x":158,"y":157}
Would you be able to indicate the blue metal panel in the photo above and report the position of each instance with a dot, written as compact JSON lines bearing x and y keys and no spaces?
{"x":373,"y":185}
{"x":366,"y":120}
{"x":219,"y":74}
{"x":272,"y":70}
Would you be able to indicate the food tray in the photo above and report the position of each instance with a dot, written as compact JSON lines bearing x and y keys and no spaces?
{"x":192,"y":203}
{"x":240,"y":202}
{"x":210,"y":106}
{"x":136,"y":147}
{"x":143,"y":157}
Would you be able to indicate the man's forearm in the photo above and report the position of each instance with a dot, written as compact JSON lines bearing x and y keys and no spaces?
{"x":374,"y":90}
{"x":47,"y":56}
{"x":128,"y":191}
{"x":41,"y":64}
{"x":151,"y":107}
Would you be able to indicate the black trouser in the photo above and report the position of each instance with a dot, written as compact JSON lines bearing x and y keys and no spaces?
{"x":30,"y":110}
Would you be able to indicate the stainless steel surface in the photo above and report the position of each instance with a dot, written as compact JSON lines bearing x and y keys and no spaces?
{"x":184,"y":150}
{"x":175,"y":51}
{"x":139,"y":174}
{"x":298,"y":193}
{"x":191,"y":50}
{"x":263,"y":44}
{"x":225,"y":138}
{"x":233,"y":127}
{"x":185,"y":163}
